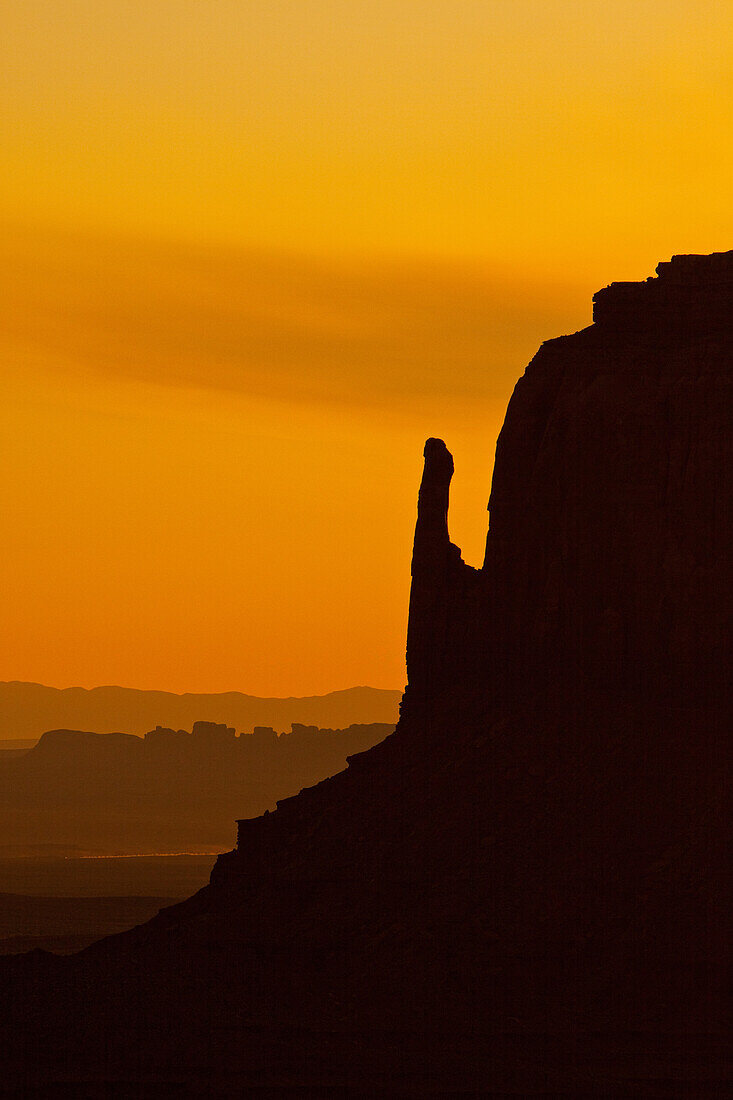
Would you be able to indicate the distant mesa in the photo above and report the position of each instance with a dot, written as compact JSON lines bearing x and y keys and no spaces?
{"x":28,"y":710}
{"x":168,"y":791}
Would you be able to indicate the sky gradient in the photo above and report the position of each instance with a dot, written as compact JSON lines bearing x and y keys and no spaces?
{"x":254,"y":254}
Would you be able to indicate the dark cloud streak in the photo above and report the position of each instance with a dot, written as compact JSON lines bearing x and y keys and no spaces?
{"x":278,"y":326}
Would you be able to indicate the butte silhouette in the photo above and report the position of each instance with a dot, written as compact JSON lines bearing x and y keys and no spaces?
{"x":524,"y":890}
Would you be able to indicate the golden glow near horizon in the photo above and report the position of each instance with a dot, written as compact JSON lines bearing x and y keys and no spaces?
{"x":253,"y":254}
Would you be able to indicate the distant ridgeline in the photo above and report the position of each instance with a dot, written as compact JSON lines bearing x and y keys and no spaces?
{"x":28,"y":710}
{"x":169,"y":791}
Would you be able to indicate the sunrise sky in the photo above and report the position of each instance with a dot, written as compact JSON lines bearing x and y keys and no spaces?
{"x":253,"y":254}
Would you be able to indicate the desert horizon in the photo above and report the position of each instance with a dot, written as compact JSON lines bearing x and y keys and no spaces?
{"x":29,"y":710}
{"x":366,"y":405}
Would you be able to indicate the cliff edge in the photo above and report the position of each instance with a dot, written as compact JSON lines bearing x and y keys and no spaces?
{"x":607,"y":565}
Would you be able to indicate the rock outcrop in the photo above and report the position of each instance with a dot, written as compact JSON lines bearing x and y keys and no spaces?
{"x":607,"y":561}
{"x":524,"y":890}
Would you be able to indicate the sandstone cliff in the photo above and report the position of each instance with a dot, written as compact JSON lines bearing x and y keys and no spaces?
{"x":607,"y":562}
{"x":522,"y":891}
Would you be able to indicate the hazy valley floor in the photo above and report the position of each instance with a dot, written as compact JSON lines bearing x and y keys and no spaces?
{"x":63,"y":905}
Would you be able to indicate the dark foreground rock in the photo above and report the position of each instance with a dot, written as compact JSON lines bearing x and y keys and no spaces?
{"x":524,"y":890}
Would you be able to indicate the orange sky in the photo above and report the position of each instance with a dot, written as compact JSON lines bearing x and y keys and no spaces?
{"x":254,"y":253}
